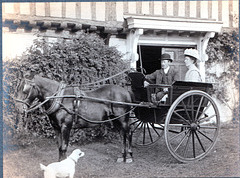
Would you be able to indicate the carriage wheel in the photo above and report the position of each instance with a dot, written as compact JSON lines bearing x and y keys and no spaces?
{"x":145,"y":133}
{"x":192,"y":126}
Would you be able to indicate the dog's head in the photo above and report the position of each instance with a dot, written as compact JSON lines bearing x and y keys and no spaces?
{"x":76,"y":154}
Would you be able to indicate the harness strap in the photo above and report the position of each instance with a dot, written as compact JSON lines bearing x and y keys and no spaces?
{"x":56,"y":102}
{"x":76,"y":102}
{"x":96,"y":122}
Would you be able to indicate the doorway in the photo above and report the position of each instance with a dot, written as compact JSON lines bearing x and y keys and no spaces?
{"x":151,"y":56}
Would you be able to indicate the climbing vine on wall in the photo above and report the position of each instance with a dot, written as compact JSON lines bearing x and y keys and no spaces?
{"x":223,"y":49}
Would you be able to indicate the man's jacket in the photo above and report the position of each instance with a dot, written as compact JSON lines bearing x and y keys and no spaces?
{"x":159,"y":77}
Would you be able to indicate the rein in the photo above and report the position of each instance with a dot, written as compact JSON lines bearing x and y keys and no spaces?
{"x":102,"y":80}
{"x":37,"y":106}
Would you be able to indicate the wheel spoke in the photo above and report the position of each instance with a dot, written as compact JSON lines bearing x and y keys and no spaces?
{"x":192,"y":107}
{"x":181,"y":117}
{"x":149,"y":132}
{"x":199,"y":106}
{"x":208,"y":127}
{"x":185,"y":108}
{"x":137,"y":126}
{"x":205,"y":110}
{"x":159,"y":128}
{"x":205,"y":136}
{"x":178,"y":125}
{"x":193,"y":142}
{"x":181,"y":141}
{"x":144,"y":134}
{"x":186,"y":146}
{"x":207,"y":118}
{"x":155,"y":130}
{"x":199,"y":141}
{"x":134,"y":122}
{"x":180,"y":133}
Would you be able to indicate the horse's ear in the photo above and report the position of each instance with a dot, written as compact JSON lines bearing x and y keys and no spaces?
{"x":28,"y":75}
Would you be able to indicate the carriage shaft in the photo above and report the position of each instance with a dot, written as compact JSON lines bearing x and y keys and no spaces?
{"x":102,"y":100}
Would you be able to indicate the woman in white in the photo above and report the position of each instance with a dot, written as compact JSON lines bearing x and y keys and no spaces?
{"x":191,"y":58}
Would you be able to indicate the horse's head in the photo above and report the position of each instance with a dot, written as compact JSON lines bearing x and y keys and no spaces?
{"x":31,"y":90}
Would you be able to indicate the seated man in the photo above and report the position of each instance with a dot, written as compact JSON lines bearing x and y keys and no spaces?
{"x":166,"y":75}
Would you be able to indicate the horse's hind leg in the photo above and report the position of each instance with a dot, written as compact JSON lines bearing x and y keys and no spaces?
{"x":129,"y":158}
{"x":123,"y":157}
{"x":126,"y":154}
{"x":130,"y":134}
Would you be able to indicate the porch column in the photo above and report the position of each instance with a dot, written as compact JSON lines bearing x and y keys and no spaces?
{"x":132,"y":42}
{"x":202,"y":46}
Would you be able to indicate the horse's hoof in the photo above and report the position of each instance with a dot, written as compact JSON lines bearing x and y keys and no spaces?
{"x":120,"y":160}
{"x":129,"y":160}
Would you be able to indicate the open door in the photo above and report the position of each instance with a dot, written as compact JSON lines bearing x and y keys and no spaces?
{"x":150,"y":56}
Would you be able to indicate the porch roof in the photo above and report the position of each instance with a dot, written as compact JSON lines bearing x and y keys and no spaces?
{"x":161,"y":24}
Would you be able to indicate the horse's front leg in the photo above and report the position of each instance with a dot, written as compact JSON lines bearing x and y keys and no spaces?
{"x":59,"y":141}
{"x":63,"y":135}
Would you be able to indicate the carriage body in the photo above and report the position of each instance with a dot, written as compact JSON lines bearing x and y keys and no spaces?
{"x":156,"y":113}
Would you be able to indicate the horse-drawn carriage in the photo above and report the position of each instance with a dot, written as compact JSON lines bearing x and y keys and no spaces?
{"x":188,"y":116}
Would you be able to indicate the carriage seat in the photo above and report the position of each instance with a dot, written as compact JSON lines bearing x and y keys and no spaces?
{"x":137,"y":86}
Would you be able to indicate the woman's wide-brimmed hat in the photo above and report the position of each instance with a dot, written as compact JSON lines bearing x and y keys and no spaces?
{"x":193,"y":53}
{"x":166,"y":57}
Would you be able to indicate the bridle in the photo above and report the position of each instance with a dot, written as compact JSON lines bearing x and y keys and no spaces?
{"x":33,"y":87}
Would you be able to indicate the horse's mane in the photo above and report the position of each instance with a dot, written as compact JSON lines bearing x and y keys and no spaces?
{"x":44,"y":78}
{"x":40,"y":79}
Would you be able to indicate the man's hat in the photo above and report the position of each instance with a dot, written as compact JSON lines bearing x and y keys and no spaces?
{"x":166,"y":57}
{"x":193,"y":53}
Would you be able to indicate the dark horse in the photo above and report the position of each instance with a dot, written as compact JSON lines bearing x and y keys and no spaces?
{"x":61,"y":111}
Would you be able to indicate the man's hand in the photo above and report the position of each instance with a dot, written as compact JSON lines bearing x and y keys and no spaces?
{"x":165,"y":89}
{"x":146,"y":83}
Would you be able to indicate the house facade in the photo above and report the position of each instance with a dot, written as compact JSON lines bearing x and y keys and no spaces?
{"x":141,"y":30}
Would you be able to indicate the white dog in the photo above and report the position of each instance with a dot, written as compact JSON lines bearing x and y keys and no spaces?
{"x":65,"y":168}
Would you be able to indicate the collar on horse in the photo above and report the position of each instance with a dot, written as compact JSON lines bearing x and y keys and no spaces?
{"x":56,"y":102}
